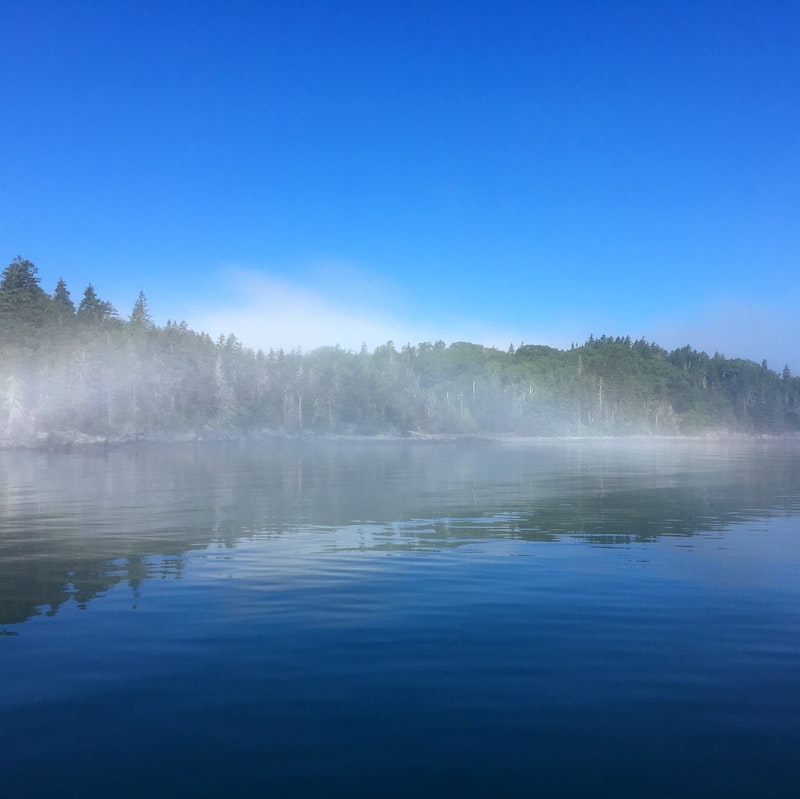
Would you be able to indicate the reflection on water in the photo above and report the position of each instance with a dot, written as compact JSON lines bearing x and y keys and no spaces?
{"x":575,"y":618}
{"x":74,"y":525}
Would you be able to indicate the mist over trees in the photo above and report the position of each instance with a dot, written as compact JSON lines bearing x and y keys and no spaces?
{"x":85,"y":369}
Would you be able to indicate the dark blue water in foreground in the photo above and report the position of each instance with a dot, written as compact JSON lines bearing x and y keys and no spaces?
{"x":568,"y":619}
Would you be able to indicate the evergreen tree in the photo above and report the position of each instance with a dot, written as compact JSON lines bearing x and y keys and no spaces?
{"x":140,"y":315}
{"x":63,"y":307}
{"x":23,"y":303}
{"x":103,"y":376}
{"x":92,"y":310}
{"x":19,"y":282}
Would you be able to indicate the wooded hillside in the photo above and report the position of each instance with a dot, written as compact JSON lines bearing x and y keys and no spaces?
{"x":85,"y":369}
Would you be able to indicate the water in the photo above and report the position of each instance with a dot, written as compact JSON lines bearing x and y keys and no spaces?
{"x":587,"y":619}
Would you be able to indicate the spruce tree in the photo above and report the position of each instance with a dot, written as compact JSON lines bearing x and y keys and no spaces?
{"x":92,"y":310}
{"x":63,"y":307}
{"x":140,"y":315}
{"x":23,"y":303}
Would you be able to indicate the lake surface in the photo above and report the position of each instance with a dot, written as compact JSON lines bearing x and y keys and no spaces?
{"x":554,"y":619}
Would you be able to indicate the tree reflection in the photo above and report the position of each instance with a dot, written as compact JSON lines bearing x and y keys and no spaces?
{"x":77,"y":525}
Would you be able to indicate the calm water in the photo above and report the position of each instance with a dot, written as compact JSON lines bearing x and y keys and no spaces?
{"x":559,"y":619}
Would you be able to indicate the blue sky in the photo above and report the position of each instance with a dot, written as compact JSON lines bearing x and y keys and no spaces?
{"x":311,"y":173}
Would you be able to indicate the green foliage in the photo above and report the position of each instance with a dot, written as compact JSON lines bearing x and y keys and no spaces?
{"x":140,"y":315}
{"x":19,"y":285}
{"x":23,"y":305}
{"x":63,"y":308}
{"x":92,"y":310}
{"x":89,"y":371}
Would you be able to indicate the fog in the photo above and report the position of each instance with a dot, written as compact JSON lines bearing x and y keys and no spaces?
{"x":341,"y":305}
{"x":345,"y":307}
{"x":253,"y":363}
{"x":115,"y":512}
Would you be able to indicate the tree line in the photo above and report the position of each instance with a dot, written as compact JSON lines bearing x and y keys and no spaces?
{"x":85,"y":369}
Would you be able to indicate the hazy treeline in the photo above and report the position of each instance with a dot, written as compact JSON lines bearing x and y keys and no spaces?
{"x":84,"y":368}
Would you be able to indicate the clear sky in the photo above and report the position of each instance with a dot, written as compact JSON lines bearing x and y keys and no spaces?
{"x":310,"y":173}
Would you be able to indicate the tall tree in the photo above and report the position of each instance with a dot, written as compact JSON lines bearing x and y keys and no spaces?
{"x":92,"y":310}
{"x":23,"y":302}
{"x":19,"y":281}
{"x":140,"y":315}
{"x":63,"y":307}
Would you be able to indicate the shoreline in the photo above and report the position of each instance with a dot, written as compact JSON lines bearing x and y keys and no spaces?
{"x":76,"y":441}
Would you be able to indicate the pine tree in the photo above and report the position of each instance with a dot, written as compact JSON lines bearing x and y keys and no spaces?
{"x":92,"y":310}
{"x":63,"y":306}
{"x":140,"y":315}
{"x":23,"y":303}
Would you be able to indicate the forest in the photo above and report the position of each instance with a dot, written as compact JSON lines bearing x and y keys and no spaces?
{"x":84,"y":372}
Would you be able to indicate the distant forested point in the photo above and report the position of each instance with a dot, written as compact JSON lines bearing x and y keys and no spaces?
{"x":72,"y":371}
